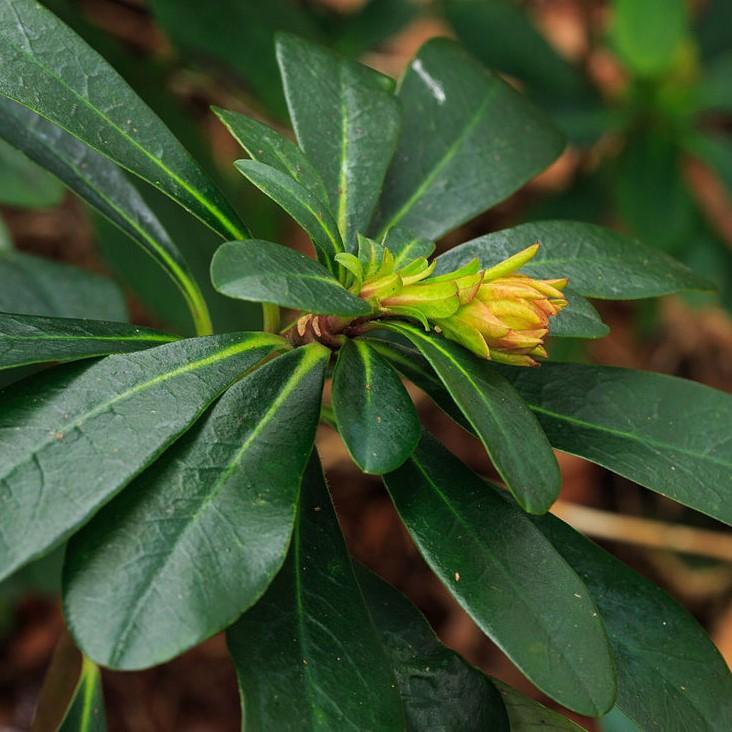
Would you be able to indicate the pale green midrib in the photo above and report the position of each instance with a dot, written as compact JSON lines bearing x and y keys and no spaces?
{"x":437,"y":169}
{"x":308,"y":363}
{"x":341,"y":219}
{"x":626,"y":435}
{"x":161,"y":378}
{"x":208,"y":205}
{"x":90,"y":679}
{"x":401,"y":258}
{"x":152,"y":338}
{"x":507,"y":575}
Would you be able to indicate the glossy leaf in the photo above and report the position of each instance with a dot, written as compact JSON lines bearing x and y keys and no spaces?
{"x":304,"y":206}
{"x":670,"y":675}
{"x":35,"y":286}
{"x":374,"y":414}
{"x":104,"y":186}
{"x":262,"y":271}
{"x":526,"y":714}
{"x":74,"y":436}
{"x":307,"y":655}
{"x":648,"y":34}
{"x":23,"y":183}
{"x":28,"y":339}
{"x":439,"y":690}
{"x":267,"y":146}
{"x":221,"y":501}
{"x":347,"y":122}
{"x":670,"y":435}
{"x":460,"y":121}
{"x":506,"y":576}
{"x":406,"y":246}
{"x":578,"y":320}
{"x":91,"y":101}
{"x":510,"y":434}
{"x":599,"y":263}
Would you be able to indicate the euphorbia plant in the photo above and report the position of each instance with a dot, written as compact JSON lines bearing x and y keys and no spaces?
{"x":182,"y":472}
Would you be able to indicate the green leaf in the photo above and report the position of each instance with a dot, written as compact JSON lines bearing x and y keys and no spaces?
{"x":578,"y":320}
{"x":667,"y":434}
{"x":35,"y":286}
{"x":439,"y":689}
{"x":104,"y":186}
{"x":600,"y":263}
{"x":648,"y":34}
{"x":347,"y":122}
{"x":506,"y":576}
{"x":374,"y":413}
{"x":89,"y":99}
{"x":510,"y":434}
{"x":459,"y":122}
{"x":222,"y":500}
{"x":500,"y":34}
{"x":74,"y":436}
{"x":714,"y":92}
{"x":307,"y":655}
{"x":262,"y":271}
{"x":23,"y":183}
{"x":670,"y":675}
{"x":406,"y":246}
{"x":527,"y":715}
{"x":27,"y":339}
{"x":714,"y":28}
{"x":86,"y":711}
{"x":716,"y":151}
{"x":304,"y":206}
{"x":267,"y":146}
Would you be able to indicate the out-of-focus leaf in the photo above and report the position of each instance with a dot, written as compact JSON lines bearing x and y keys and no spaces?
{"x":527,"y":715}
{"x":670,"y":675}
{"x":29,"y":339}
{"x":91,"y":101}
{"x":35,"y":286}
{"x":460,"y":121}
{"x":670,"y":435}
{"x":440,"y":690}
{"x":507,"y":577}
{"x":347,"y":122}
{"x":648,"y":34}
{"x":23,"y":183}
{"x":716,"y":152}
{"x":510,"y":434}
{"x":599,"y":263}
{"x":307,"y":655}
{"x":714,"y":92}
{"x":263,"y":271}
{"x":205,"y":529}
{"x":714,"y":28}
{"x":75,"y":435}
{"x":374,"y":413}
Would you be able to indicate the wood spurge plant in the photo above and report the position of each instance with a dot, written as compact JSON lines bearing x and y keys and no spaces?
{"x":180,"y":472}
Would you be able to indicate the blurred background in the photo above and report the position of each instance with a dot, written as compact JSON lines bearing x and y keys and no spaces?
{"x":643,"y":92}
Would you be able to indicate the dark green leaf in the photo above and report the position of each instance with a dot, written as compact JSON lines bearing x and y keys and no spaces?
{"x":716,"y":152}
{"x":526,"y":715}
{"x":35,"y":286}
{"x":714,"y":28}
{"x":307,"y":655}
{"x":648,"y":34}
{"x":347,"y":122}
{"x":500,"y":34}
{"x":374,"y":413}
{"x":506,"y":576}
{"x":714,"y":92}
{"x":668,"y":434}
{"x":510,"y":434}
{"x":670,"y":676}
{"x":262,"y":271}
{"x":103,"y":185}
{"x":267,"y":146}
{"x":91,"y":101}
{"x":578,"y":320}
{"x":599,"y":262}
{"x":23,"y":183}
{"x":222,"y":501}
{"x":440,"y":690}
{"x":305,"y":207}
{"x":27,"y":339}
{"x":406,"y":246}
{"x":460,"y":121}
{"x":74,"y":436}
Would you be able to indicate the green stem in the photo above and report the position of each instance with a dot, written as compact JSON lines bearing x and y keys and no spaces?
{"x":198,"y":308}
{"x":270,"y":318}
